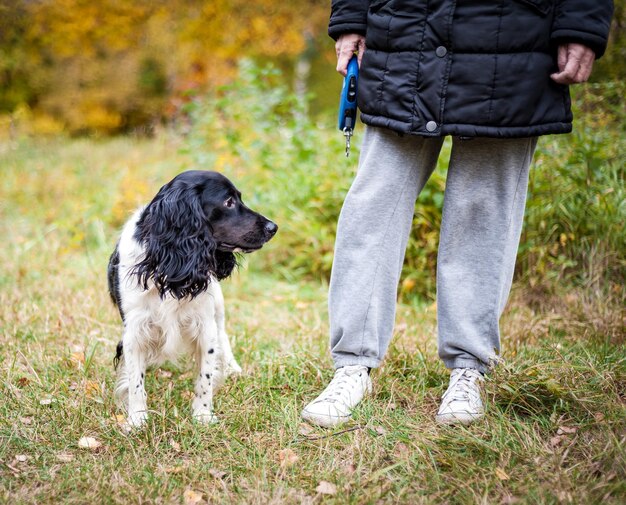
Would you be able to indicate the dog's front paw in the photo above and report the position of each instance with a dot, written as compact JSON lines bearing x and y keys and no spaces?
{"x":136,"y":419}
{"x":233,"y":368}
{"x":205,"y":417}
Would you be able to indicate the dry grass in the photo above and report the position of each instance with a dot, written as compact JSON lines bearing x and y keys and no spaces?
{"x":554,"y":433}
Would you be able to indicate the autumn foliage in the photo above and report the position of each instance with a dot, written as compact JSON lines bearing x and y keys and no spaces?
{"x":113,"y":65}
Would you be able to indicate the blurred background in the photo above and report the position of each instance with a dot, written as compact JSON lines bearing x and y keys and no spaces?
{"x":101,"y":88}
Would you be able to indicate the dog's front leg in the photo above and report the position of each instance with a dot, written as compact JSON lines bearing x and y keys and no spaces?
{"x":230,"y":365}
{"x":135,"y":370}
{"x":206,"y":361}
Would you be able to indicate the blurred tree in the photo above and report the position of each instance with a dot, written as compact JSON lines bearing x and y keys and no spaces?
{"x":15,"y":86}
{"x":112,"y":65}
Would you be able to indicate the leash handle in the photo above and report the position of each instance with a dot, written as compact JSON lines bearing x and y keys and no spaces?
{"x":348,"y":102}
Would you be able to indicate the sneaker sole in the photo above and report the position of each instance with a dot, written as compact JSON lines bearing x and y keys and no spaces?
{"x":324,"y":421}
{"x":458,"y":418}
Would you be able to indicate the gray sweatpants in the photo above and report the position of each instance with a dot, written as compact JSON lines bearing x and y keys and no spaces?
{"x":481,"y":225}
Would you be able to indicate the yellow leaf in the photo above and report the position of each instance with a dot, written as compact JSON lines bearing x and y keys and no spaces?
{"x":77,"y":357}
{"x":501,"y":474}
{"x":92,"y":389}
{"x":326,"y":488}
{"x":191,"y":497}
{"x":408,"y":285}
{"x":287,"y":457}
{"x":89,"y":443}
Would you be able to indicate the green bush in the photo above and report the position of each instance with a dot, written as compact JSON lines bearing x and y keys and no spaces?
{"x":577,"y":203}
{"x":293,"y":169}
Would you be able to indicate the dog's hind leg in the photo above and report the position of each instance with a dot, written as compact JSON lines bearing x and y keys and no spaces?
{"x":206,"y":360}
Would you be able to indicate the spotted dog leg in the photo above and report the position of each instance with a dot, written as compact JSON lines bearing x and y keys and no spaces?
{"x":134,"y":373}
{"x":230,"y":365}
{"x":206,"y":360}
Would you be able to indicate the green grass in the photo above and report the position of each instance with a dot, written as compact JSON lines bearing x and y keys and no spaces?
{"x":555,"y":429}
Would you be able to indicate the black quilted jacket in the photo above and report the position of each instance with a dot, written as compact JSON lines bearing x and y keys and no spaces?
{"x":468,"y":67}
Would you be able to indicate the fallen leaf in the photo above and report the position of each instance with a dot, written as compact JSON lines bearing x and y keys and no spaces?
{"x":217,"y":474}
{"x":599,"y":417}
{"x":21,"y":458}
{"x":77,"y":359}
{"x":349,"y":468}
{"x":191,"y":497}
{"x":305,"y":430}
{"x":45,"y":401}
{"x":501,"y":474}
{"x":23,"y":381}
{"x":26,"y":420}
{"x":325,"y":487}
{"x":400,"y":450}
{"x":92,"y":389}
{"x":287,"y":457}
{"x":556,"y":440}
{"x":119,"y":418}
{"x":164,"y":374}
{"x":89,"y":443}
{"x":65,"y":457}
{"x":380,"y":430}
{"x":566,"y":429}
{"x":174,"y":445}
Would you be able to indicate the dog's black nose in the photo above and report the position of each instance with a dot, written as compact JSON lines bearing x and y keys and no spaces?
{"x":270,"y":229}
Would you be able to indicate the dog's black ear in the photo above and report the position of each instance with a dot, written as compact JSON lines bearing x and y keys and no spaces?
{"x":180,"y":253}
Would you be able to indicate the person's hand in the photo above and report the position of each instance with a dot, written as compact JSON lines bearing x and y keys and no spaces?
{"x":346,"y":45}
{"x":575,"y":63}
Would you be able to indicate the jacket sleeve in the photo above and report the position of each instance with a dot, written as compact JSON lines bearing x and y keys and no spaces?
{"x":348,"y":16}
{"x":583,"y":21}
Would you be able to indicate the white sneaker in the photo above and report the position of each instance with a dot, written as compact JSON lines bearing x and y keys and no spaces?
{"x":345,"y":391}
{"x":461,"y":403}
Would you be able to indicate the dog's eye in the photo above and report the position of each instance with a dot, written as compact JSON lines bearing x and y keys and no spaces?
{"x":230,"y":203}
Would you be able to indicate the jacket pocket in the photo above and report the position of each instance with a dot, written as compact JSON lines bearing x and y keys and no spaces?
{"x":541,"y":6}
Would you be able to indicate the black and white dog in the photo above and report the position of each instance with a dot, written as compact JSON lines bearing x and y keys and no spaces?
{"x":163,"y":278}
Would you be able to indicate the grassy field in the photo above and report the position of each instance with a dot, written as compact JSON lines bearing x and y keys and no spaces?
{"x":555,"y":431}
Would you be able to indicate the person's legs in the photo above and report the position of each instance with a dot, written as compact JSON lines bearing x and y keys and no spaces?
{"x":372,"y":235}
{"x":482,"y":221}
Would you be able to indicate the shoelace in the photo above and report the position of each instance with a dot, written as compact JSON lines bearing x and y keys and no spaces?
{"x":462,"y":385}
{"x":344,"y":378}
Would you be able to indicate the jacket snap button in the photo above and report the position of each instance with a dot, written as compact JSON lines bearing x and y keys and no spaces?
{"x":431,"y":126}
{"x":441,"y":51}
